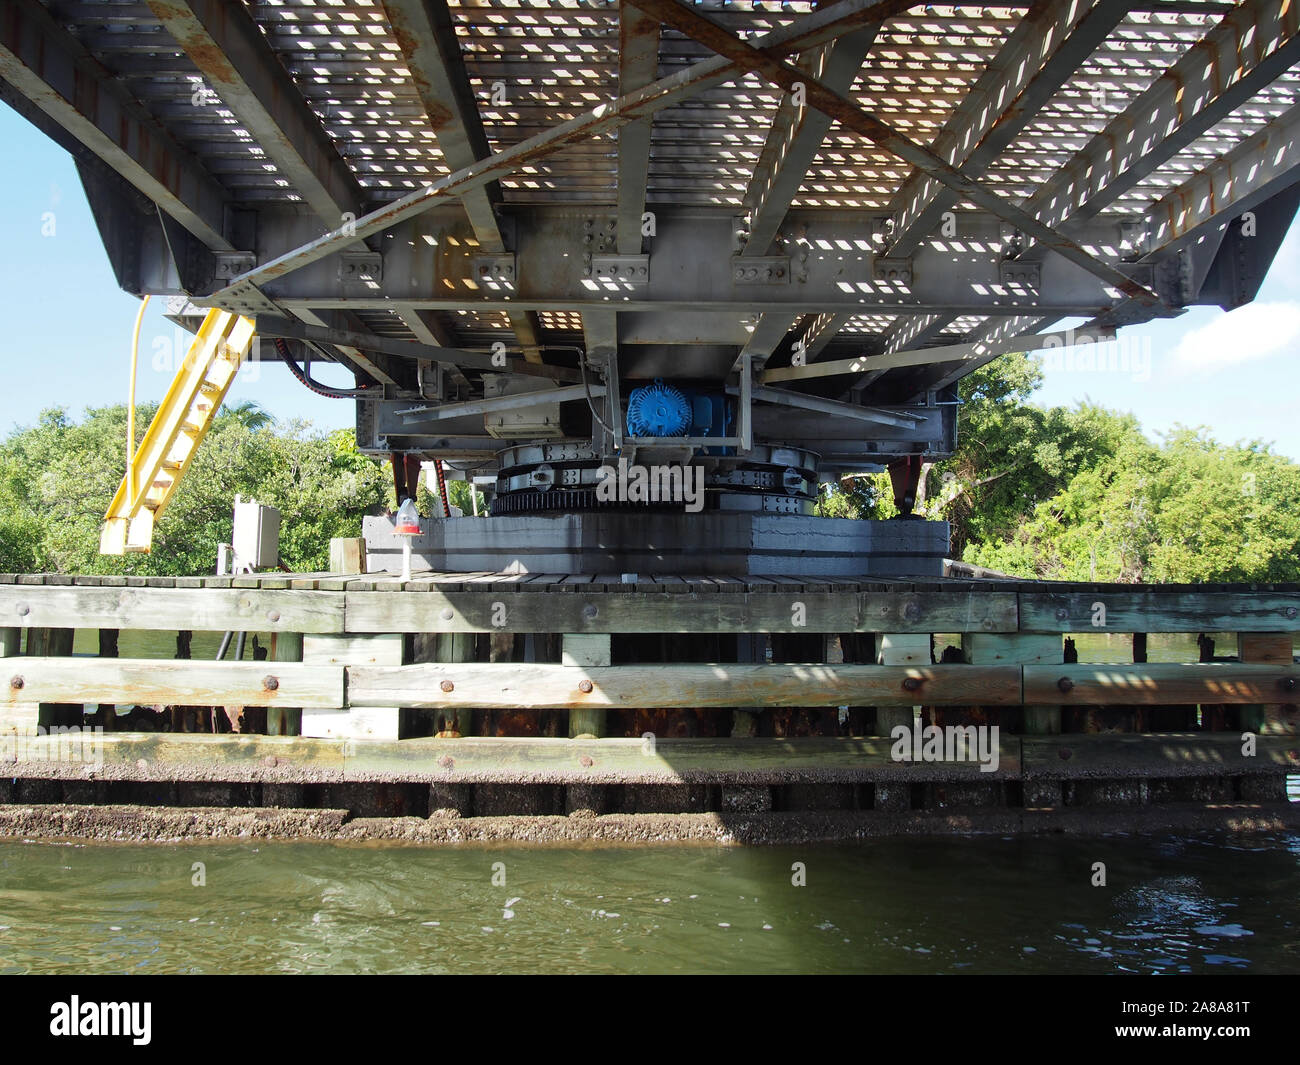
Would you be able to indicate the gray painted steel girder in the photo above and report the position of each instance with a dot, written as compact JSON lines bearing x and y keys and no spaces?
{"x":691,"y":268}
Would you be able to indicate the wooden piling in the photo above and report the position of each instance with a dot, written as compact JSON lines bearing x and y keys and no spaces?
{"x":54,"y":643}
{"x":284,"y":721}
{"x":750,"y":647}
{"x":900,"y":649}
{"x":1019,"y":649}
{"x":106,"y":714}
{"x":356,"y":722}
{"x":584,"y":650}
{"x":1270,"y":648}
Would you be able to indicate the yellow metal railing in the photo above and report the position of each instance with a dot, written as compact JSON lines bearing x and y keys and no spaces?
{"x":183,"y":420}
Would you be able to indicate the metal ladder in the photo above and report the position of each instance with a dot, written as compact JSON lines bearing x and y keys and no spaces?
{"x":219,"y":348}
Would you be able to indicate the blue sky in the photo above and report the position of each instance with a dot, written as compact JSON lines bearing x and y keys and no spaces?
{"x":69,"y":330}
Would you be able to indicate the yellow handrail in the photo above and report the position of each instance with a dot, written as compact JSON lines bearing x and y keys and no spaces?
{"x":130,"y":401}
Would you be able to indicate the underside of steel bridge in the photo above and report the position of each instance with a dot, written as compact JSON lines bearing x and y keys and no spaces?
{"x":768,"y":238}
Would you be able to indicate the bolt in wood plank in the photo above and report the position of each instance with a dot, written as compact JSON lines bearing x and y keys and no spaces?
{"x":1158,"y":609}
{"x":285,"y":720}
{"x":703,"y":607}
{"x":900,"y":649}
{"x":1158,"y":684}
{"x":1019,"y":649}
{"x":548,"y":686}
{"x":147,"y":681}
{"x":200,"y":609}
{"x":584,"y":650}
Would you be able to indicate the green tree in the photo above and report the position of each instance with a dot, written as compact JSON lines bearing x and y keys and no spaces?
{"x":65,"y":472}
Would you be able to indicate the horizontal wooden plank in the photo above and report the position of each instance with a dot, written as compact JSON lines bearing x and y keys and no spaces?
{"x":170,"y":683}
{"x":474,"y":759}
{"x":582,"y":610}
{"x":199,"y":609}
{"x":359,"y":722}
{"x":194,"y":756}
{"x":1155,"y":610}
{"x":1136,"y":755}
{"x":1161,"y":684}
{"x":166,"y":756}
{"x":541,"y":686}
{"x":340,"y":650}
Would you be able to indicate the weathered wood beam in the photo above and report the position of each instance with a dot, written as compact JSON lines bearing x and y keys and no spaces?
{"x":551,"y":687}
{"x":1159,"y":684}
{"x":199,"y":609}
{"x":177,"y":683}
{"x":1156,"y":611}
{"x":436,"y":611}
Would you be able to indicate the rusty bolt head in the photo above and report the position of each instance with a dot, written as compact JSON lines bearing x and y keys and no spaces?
{"x":584,"y":686}
{"x":271,"y":683}
{"x":1065,"y":684}
{"x":1064,"y":754}
{"x":16,"y":682}
{"x":446,"y":761}
{"x":273,"y":615}
{"x":447,"y":686}
{"x":912,"y":684}
{"x":585,"y":762}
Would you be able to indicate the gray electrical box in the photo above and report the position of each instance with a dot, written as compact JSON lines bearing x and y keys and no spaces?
{"x":256,"y":539}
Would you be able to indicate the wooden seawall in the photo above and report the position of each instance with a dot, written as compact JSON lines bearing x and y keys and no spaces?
{"x":525,"y":694}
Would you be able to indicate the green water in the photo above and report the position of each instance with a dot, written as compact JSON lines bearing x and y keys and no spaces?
{"x":981,"y":905}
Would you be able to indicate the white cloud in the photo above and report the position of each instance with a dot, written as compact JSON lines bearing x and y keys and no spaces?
{"x":1255,"y":331}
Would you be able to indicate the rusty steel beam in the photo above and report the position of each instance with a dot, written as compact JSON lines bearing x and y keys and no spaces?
{"x":769,"y":332}
{"x":817,"y":28}
{"x":1047,"y":46}
{"x":49,"y":67}
{"x":1248,"y":49}
{"x":795,"y":137}
{"x":1251,"y":172}
{"x":427,"y":37}
{"x":781,"y":73}
{"x":426,"y":328}
{"x":345,"y":330}
{"x":638,"y":66}
{"x":237,"y":62}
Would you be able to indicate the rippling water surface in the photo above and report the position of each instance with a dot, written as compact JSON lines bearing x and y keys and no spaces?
{"x":1213,"y":904}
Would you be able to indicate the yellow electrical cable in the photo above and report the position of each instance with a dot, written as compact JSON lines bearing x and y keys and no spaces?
{"x":130,"y":405}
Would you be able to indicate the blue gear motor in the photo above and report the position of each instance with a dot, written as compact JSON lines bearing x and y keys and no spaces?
{"x":658,"y":410}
